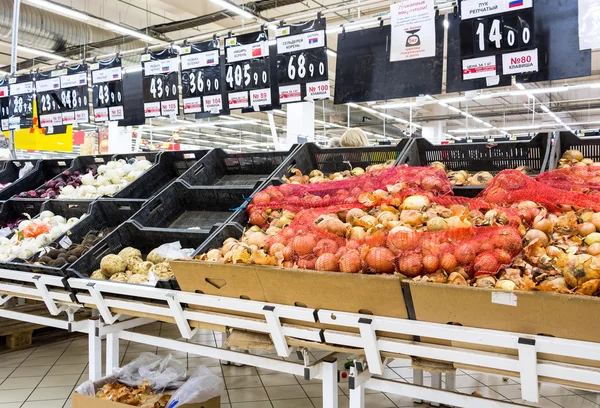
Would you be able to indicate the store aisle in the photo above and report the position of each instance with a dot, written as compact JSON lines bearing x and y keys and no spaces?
{"x":45,"y":376}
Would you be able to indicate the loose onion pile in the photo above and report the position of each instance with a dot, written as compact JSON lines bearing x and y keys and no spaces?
{"x":33,"y":234}
{"x":317,"y":176}
{"x":574,"y":158}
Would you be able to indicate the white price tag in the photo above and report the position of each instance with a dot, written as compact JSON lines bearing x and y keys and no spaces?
{"x":65,"y":242}
{"x":504,"y":298}
{"x":519,"y":62}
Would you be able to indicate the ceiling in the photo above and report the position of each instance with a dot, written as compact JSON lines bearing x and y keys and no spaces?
{"x":575,"y":107}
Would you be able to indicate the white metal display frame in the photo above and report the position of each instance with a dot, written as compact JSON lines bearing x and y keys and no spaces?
{"x":175,"y":306}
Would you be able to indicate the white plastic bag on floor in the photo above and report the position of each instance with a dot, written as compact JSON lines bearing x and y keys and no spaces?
{"x":200,"y":387}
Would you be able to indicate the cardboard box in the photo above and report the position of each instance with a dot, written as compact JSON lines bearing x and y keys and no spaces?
{"x":379,"y":295}
{"x":85,"y":401}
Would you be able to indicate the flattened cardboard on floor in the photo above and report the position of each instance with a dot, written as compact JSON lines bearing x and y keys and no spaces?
{"x":85,"y":401}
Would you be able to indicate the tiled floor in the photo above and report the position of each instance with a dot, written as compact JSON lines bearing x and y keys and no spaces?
{"x":45,"y":377}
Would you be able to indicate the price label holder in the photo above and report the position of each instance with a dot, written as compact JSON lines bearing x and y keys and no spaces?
{"x":161,"y":83}
{"x":62,"y":96}
{"x":4,"y":104}
{"x":497,"y":37}
{"x":20,"y":104}
{"x":302,"y":69}
{"x":203,"y":80}
{"x":107,"y":90}
{"x":248,"y":68}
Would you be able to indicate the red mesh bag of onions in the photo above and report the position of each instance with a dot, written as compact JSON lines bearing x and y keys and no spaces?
{"x":576,"y":178}
{"x":513,"y":187}
{"x":365,"y":188}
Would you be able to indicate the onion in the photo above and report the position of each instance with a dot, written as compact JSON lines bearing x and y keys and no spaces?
{"x":539,"y":235}
{"x":288,"y":253}
{"x":448,"y":262}
{"x":306,"y":263}
{"x":334,"y":226}
{"x":304,"y":244}
{"x":437,"y":224}
{"x":326,"y":246}
{"x":596,"y":220}
{"x":413,"y":218}
{"x":465,"y":253}
{"x":142,"y":165}
{"x":261,"y":197}
{"x":502,"y":256}
{"x":353,"y":214}
{"x":410,"y":265}
{"x":380,"y":260}
{"x":586,"y":229}
{"x":431,"y":263}
{"x":524,"y":205}
{"x":256,"y":238}
{"x":543,"y":224}
{"x":350,"y":262}
{"x":386,"y":216}
{"x":485,"y":264}
{"x":46,"y":214}
{"x":509,"y":240}
{"x":214,"y":255}
{"x":592,"y":238}
{"x":415,"y":202}
{"x":257,"y":217}
{"x":594,"y":249}
{"x":357,"y":233}
{"x":431,"y":183}
{"x":276,"y":247}
{"x":456,"y":222}
{"x":367,"y":221}
{"x":87,"y":179}
{"x":327,"y":262}
{"x":401,"y":240}
{"x":553,"y":251}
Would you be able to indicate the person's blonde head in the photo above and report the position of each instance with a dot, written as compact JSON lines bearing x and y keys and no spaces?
{"x":354,"y":138}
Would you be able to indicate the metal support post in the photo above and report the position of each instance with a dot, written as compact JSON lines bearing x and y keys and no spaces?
{"x":182,"y":323}
{"x":106,"y":314}
{"x":357,"y":397}
{"x":418,"y":380}
{"x":94,"y":350}
{"x":276,"y":332}
{"x":450,"y":381}
{"x":371,"y":350}
{"x":436,"y":382}
{"x":112,"y":352}
{"x":528,"y":368}
{"x":330,"y":378}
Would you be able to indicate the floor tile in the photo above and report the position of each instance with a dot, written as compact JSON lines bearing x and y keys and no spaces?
{"x":273,"y":380}
{"x":286,"y":392}
{"x":58,"y":403}
{"x":8,"y":361}
{"x":72,"y":359}
{"x":232,"y":371}
{"x":12,"y":405}
{"x":591,"y":396}
{"x":14,"y":395}
{"x":401,"y":400}
{"x":463,"y":381}
{"x":68,"y":404}
{"x":203,"y":361}
{"x":21,"y":382}
{"x":378,"y":401}
{"x":67,"y":369}
{"x":551,"y":390}
{"x":316,"y":390}
{"x":400,"y":362}
{"x":256,"y":404}
{"x":293,"y":403}
{"x":60,"y":380}
{"x":248,"y":395}
{"x":38,"y":361}
{"x":30,"y":371}
{"x":343,"y":402}
{"x":41,"y":394}
{"x":243,"y":381}
{"x":573,"y":401}
{"x":544,"y":403}
{"x":485,"y":391}
{"x":489,"y":379}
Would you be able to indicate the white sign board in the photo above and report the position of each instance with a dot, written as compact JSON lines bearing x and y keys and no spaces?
{"x":413,"y":30}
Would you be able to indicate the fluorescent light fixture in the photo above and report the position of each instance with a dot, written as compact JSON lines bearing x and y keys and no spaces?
{"x":232,"y":7}
{"x":369,"y":110}
{"x":446,"y":24}
{"x":395,"y":105}
{"x":488,"y":125}
{"x":477,"y":120}
{"x":453,"y":109}
{"x":385,"y":115}
{"x":469,"y":130}
{"x":353,"y":105}
{"x":453,"y":100}
{"x":545,"y":109}
{"x":41,"y":53}
{"x":534,"y":91}
{"x":350,"y":26}
{"x":406,"y":122}
{"x":133,"y":33}
{"x":331,"y":53}
{"x":468,"y":115}
{"x":445,"y":105}
{"x":58,"y":9}
{"x":523,"y":127}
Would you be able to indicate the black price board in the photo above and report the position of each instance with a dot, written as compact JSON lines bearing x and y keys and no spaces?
{"x":107,"y":90}
{"x":4,"y":102}
{"x":20,"y":105}
{"x":62,"y":96}
{"x":302,"y":61}
{"x":497,"y":37}
{"x":161,"y":83}
{"x":248,"y":72}
{"x":202,"y":79}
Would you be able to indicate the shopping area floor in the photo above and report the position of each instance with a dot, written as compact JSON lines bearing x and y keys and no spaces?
{"x":45,"y":376}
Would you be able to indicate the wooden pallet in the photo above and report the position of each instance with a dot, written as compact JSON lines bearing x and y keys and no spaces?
{"x":19,"y":334}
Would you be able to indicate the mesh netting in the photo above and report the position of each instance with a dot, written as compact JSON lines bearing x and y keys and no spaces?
{"x":396,"y":180}
{"x":512,"y":186}
{"x":576,"y":178}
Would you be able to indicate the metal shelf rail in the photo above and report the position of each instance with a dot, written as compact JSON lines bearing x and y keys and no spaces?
{"x":356,"y":331}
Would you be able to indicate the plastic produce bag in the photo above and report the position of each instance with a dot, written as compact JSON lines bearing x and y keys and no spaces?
{"x":200,"y":387}
{"x":174,"y":250}
{"x":26,"y":169}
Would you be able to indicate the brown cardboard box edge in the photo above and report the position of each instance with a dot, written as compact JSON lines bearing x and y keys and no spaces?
{"x":85,"y":401}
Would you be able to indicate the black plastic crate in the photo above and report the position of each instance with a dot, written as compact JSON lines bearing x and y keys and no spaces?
{"x":588,"y":146}
{"x":43,"y":171}
{"x":168,"y":166}
{"x":482,"y":156}
{"x":219,"y":168}
{"x":130,"y":234}
{"x":179,"y":207}
{"x":14,"y":209}
{"x":10,"y":170}
{"x":309,"y":156}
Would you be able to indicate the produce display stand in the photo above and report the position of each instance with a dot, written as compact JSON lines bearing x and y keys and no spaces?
{"x":473,"y":157}
{"x":44,"y":170}
{"x":563,"y":141}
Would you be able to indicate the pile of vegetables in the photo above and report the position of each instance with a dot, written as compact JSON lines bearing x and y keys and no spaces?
{"x":107,"y":180}
{"x":129,"y":266}
{"x":57,"y":256}
{"x":317,"y":176}
{"x":32,"y":235}
{"x":464,"y":178}
{"x":574,"y":158}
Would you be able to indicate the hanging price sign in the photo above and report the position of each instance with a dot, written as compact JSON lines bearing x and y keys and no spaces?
{"x":62,"y":96}
{"x":202,"y":84}
{"x":302,"y":62}
{"x":4,"y":102}
{"x":248,"y":71}
{"x":20,"y":105}
{"x":497,"y":38}
{"x":161,"y":83}
{"x":107,"y":90}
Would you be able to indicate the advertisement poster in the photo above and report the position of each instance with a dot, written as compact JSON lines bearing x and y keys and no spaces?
{"x":102,"y":139}
{"x":589,"y":24}
{"x":413,"y":30}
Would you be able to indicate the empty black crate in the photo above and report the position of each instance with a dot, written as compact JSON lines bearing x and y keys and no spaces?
{"x":588,"y":146}
{"x":168,"y":166}
{"x":129,"y":234}
{"x":219,"y":168}
{"x":179,"y":207}
{"x":43,"y":171}
{"x":309,"y":156}
{"x":11,"y":168}
{"x":105,"y":214}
